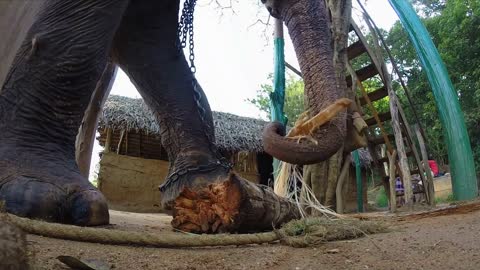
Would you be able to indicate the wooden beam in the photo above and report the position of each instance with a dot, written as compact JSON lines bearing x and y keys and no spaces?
{"x":413,"y":148}
{"x":355,"y":50}
{"x":380,"y":140}
{"x":375,"y":95}
{"x":393,"y":195}
{"x":402,"y":156}
{"x":293,"y":69}
{"x":385,"y":159}
{"x":363,"y":74}
{"x":375,"y":116}
{"x":429,"y":187}
{"x":382,"y":117}
{"x":394,"y":65}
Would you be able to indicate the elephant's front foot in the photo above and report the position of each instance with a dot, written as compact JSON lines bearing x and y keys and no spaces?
{"x":232,"y":205}
{"x":51,"y":191}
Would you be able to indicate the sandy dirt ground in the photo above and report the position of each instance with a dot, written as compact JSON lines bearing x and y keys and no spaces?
{"x":450,"y":241}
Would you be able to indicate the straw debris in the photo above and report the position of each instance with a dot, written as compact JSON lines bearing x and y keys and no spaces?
{"x":313,"y":231}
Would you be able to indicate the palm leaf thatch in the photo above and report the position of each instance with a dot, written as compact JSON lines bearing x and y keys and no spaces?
{"x":232,"y":132}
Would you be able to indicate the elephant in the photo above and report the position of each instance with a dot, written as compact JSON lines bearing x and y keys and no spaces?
{"x":55,"y":70}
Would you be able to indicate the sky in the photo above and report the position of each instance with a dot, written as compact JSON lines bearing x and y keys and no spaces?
{"x":234,"y":53}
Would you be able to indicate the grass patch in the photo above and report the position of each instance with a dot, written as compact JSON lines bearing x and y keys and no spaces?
{"x":448,"y":199}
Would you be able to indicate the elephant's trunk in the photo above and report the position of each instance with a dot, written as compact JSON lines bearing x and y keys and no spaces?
{"x":308,"y":25}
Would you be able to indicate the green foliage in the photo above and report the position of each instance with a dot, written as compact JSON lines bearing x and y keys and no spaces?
{"x":294,"y":99}
{"x":381,"y":199}
{"x":454,"y":26}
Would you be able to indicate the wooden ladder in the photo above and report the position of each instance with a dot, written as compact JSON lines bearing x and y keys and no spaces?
{"x":377,"y":122}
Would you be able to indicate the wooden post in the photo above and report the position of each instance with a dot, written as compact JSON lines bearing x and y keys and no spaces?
{"x":126,"y":143}
{"x":429,"y":187}
{"x":413,"y":148}
{"x":341,"y":181}
{"x":402,"y":156}
{"x":86,"y":133}
{"x":393,"y":194}
{"x":108,"y":140}
{"x":119,"y":146}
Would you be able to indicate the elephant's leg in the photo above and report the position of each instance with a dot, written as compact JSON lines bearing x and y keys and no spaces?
{"x":146,"y":50}
{"x":41,"y":107}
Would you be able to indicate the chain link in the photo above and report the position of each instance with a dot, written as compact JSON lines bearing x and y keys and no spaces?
{"x":185,"y":30}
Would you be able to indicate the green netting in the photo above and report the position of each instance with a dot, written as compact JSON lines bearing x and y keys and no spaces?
{"x":277,"y":97}
{"x":358,"y":174}
{"x":460,"y":156}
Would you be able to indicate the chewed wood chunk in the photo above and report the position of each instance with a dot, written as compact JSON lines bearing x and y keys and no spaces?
{"x":209,"y":210}
{"x":235,"y":205}
{"x":307,"y":127}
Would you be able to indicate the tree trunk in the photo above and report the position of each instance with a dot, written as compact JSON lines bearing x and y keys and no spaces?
{"x":86,"y":133}
{"x":17,"y":14}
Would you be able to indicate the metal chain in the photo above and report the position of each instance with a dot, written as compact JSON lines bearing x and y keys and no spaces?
{"x":174,"y":176}
{"x":185,"y":30}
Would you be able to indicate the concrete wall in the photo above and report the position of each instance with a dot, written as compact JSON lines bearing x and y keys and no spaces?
{"x":130,"y":183}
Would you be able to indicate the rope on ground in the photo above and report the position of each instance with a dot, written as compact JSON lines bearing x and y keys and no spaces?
{"x":297,"y":233}
{"x":118,"y":237}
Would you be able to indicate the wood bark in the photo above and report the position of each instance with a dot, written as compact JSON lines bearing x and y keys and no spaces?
{"x":235,"y":205}
{"x":86,"y":133}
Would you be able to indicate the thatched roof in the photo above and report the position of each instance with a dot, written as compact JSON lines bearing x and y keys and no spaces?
{"x":233,"y":133}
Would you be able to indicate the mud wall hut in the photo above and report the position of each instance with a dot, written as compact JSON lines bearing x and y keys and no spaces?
{"x":134,"y":163}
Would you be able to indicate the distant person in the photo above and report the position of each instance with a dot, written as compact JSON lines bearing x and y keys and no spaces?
{"x":433,"y":167}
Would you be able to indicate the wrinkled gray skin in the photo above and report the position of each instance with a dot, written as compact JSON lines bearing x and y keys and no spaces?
{"x":56,"y":68}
